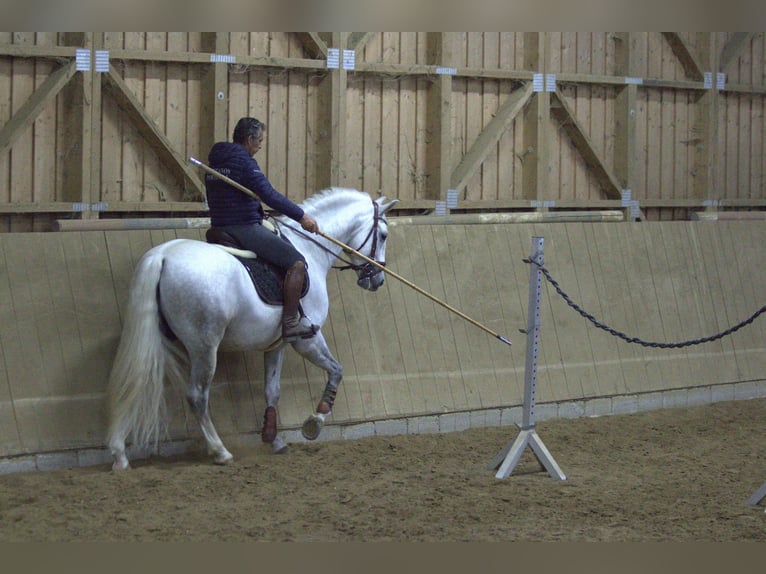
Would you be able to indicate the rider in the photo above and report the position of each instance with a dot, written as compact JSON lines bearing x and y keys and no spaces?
{"x":242,"y":216}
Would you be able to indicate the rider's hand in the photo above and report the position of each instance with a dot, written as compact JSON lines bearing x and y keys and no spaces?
{"x":309,"y":223}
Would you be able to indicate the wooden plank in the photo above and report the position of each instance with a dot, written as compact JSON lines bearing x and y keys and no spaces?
{"x":143,"y":122}
{"x":371,"y":135}
{"x":490,"y":135}
{"x":414,"y":386}
{"x":435,"y":331}
{"x":587,"y":375}
{"x":389,"y":136}
{"x":732,"y":50}
{"x":385,"y":340}
{"x":570,"y":123}
{"x":504,"y":259}
{"x":685,"y":54}
{"x":22,"y":88}
{"x":427,"y":390}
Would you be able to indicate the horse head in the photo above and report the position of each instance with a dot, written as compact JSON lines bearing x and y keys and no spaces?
{"x":369,"y":276}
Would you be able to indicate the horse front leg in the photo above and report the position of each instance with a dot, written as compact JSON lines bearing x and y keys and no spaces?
{"x":317,"y":351}
{"x":272,"y":362}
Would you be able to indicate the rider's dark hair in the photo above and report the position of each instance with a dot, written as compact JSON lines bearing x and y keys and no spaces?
{"x":247,"y":127}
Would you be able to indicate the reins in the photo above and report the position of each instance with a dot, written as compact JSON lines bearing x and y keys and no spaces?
{"x":370,"y":261}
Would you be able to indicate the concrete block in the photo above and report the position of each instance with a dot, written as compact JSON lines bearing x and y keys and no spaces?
{"x":743,"y":391}
{"x":598,"y":407}
{"x":93,"y":457}
{"x":649,"y":402}
{"x":720,"y":393}
{"x":546,"y":411}
{"x":625,"y":405}
{"x":493,"y":417}
{"x":571,"y":410}
{"x":423,"y":425}
{"x":454,"y":422}
{"x":478,"y":419}
{"x":699,"y":396}
{"x":178,"y":447}
{"x":17,"y":464}
{"x":675,"y":399}
{"x":56,"y":460}
{"x":391,"y":427}
{"x":362,"y":430}
{"x":510,"y":416}
{"x":329,"y":432}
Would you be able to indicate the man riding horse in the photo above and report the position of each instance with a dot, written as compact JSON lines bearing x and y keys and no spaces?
{"x":241,"y":216}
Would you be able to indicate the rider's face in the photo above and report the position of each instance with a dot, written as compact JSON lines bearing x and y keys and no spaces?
{"x":254,"y":143}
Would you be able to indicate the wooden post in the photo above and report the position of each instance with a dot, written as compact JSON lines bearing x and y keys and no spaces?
{"x":626,"y":64}
{"x":331,"y":119}
{"x":536,"y":120}
{"x":705,"y":127}
{"x":439,"y":106}
{"x":214,"y":94}
{"x":76,"y":154}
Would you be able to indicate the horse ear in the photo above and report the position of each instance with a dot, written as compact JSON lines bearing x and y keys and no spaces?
{"x":385,"y":206}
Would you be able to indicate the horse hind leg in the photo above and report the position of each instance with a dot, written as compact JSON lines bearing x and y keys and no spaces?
{"x":272,"y":363}
{"x":116,"y":441}
{"x":198,"y":397}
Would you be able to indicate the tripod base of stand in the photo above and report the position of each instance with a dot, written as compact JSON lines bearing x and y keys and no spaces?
{"x":757,"y":495}
{"x":507,"y":459}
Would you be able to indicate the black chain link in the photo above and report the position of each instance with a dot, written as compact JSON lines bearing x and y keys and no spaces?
{"x":636,"y":340}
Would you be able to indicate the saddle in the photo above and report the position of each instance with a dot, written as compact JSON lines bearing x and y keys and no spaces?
{"x":267,"y":278}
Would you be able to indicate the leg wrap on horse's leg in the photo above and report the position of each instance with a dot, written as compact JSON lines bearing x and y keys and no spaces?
{"x":269,"y":431}
{"x":327,"y":400}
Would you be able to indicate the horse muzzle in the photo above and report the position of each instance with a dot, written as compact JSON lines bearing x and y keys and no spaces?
{"x":370,"y":277}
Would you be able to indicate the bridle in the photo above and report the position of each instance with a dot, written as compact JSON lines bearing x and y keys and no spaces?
{"x":368,"y":270}
{"x":365,"y":270}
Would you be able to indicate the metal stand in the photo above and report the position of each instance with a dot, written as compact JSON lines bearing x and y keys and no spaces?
{"x":757,"y":495}
{"x":506,"y":459}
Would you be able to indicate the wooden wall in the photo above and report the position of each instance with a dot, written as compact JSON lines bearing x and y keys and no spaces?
{"x":419,"y":114}
{"x":63,"y":296}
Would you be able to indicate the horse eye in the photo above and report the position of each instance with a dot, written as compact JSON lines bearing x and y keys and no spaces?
{"x":383,"y":236}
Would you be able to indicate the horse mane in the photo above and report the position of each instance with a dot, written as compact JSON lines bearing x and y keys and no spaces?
{"x":331,"y":196}
{"x":331,"y":200}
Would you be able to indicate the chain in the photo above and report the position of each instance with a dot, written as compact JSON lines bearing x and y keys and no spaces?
{"x":636,"y":340}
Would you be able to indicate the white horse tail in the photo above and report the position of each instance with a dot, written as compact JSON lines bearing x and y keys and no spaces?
{"x":144,"y":359}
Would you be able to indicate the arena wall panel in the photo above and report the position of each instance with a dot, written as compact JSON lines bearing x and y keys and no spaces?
{"x":404,"y":356}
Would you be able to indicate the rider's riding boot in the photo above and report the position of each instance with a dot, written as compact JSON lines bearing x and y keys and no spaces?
{"x":294,"y":325}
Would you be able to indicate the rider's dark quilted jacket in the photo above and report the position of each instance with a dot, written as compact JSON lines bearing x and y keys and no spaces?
{"x":230,"y":206}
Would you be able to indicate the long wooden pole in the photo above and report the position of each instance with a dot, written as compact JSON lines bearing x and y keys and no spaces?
{"x":345,"y":247}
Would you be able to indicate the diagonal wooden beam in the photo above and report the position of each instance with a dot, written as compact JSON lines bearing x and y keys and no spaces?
{"x":124,"y":98}
{"x":685,"y":55}
{"x":490,"y":135}
{"x":566,"y":117}
{"x":734,"y":48}
{"x":314,"y":45}
{"x":30,"y":109}
{"x":358,"y":40}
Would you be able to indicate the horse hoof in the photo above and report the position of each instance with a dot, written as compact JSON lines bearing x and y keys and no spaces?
{"x":311,"y":428}
{"x":279,"y":446}
{"x":223,"y":459}
{"x":120,"y":463}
